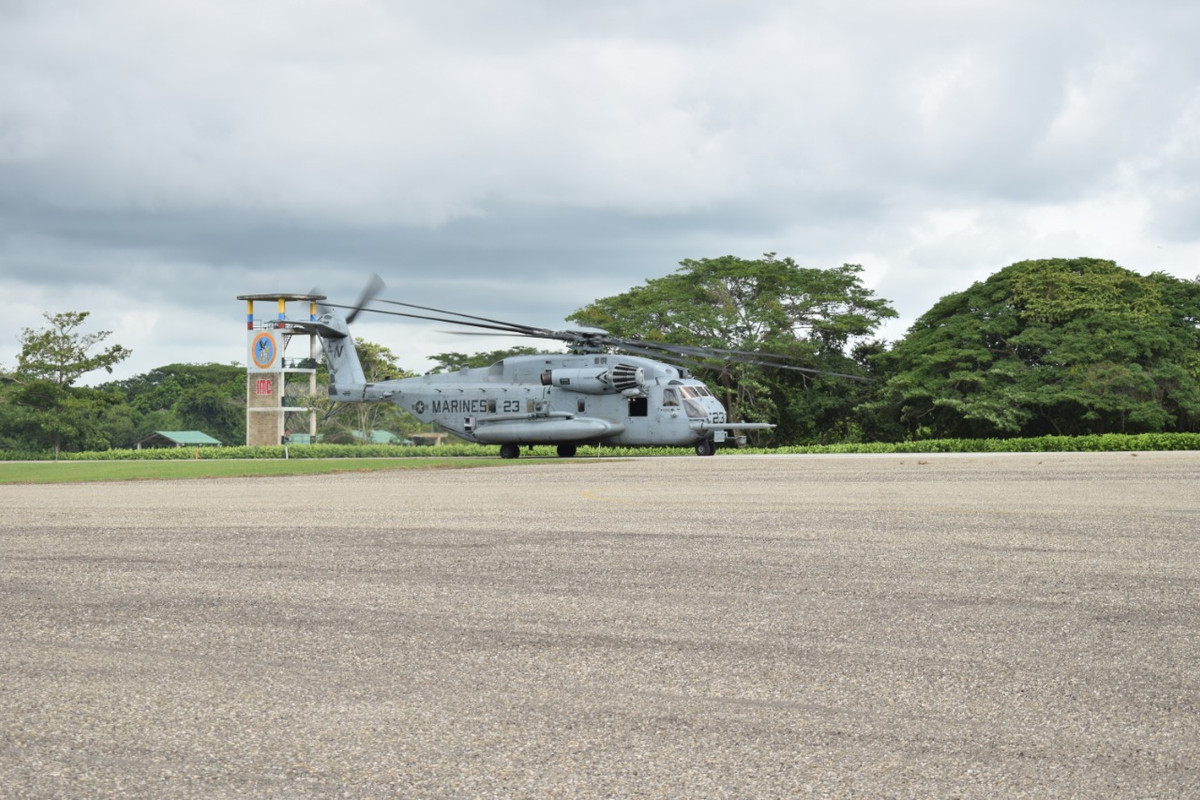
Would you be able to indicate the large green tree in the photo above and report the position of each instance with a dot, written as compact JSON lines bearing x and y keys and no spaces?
{"x":41,"y":415}
{"x":41,"y":408}
{"x":62,"y":353}
{"x":206,"y":397}
{"x":813,"y":316}
{"x":1055,"y":346}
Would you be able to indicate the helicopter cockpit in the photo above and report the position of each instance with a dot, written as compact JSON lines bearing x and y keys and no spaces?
{"x":690,"y":397}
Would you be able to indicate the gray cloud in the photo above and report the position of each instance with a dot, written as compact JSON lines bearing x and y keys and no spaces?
{"x":522,"y":158}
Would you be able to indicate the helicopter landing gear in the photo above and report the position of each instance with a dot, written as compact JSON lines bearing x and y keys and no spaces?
{"x":705,"y":447}
{"x":566,"y":451}
{"x":510,"y":450}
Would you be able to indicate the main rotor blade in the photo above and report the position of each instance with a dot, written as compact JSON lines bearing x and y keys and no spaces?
{"x":683,"y":355}
{"x":670,"y":358}
{"x":481,"y":333}
{"x":775,"y":360}
{"x":530,"y":329}
{"x":510,"y":331}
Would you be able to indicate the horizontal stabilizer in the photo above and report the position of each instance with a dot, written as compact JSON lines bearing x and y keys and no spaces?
{"x":319,"y":328}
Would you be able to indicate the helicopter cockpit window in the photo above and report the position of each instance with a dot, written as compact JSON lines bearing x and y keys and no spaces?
{"x":694,"y":409}
{"x":670,"y":398}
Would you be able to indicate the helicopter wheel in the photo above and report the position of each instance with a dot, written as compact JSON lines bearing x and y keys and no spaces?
{"x":566,"y":451}
{"x":510,"y":450}
{"x":705,"y":447}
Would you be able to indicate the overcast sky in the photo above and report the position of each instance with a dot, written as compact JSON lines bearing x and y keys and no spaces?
{"x":521,"y":158}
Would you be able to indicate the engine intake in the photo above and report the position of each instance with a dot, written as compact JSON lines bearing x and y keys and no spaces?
{"x":619,"y":379}
{"x":626,"y":376}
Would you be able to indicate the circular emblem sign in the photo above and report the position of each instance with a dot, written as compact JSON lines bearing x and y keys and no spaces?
{"x":262,"y":350}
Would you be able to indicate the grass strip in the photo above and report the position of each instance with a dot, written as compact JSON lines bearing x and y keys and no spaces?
{"x":82,"y":471}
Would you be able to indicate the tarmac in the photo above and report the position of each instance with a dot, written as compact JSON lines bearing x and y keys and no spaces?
{"x":929,"y":626}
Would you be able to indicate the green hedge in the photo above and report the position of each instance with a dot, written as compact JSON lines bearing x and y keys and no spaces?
{"x":1095,"y":443}
{"x":1046,"y":444}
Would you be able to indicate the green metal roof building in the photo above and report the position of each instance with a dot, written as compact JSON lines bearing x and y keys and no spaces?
{"x":177,"y":439}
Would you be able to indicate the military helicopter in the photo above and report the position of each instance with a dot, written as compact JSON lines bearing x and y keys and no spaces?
{"x":605,"y":390}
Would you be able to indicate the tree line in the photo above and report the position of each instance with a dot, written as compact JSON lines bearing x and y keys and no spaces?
{"x":1054,"y":346}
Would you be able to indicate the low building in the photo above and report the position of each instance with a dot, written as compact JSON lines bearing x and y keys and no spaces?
{"x":177,"y":439}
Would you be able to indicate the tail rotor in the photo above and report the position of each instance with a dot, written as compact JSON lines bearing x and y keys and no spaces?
{"x":369,"y":293}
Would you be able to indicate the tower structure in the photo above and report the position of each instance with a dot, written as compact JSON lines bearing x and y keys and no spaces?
{"x":278,"y":381}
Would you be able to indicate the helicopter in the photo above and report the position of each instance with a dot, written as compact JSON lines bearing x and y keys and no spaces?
{"x":605,"y":390}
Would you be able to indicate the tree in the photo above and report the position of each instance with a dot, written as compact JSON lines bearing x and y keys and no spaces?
{"x":41,"y":414}
{"x":45,"y":409}
{"x":770,"y":304}
{"x":1056,"y":346}
{"x":449,"y":362}
{"x":61,"y":354}
{"x":206,"y":397}
{"x":207,"y":408}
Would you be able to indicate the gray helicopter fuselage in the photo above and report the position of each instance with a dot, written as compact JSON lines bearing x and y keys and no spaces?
{"x":567,"y":400}
{"x":560,"y":399}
